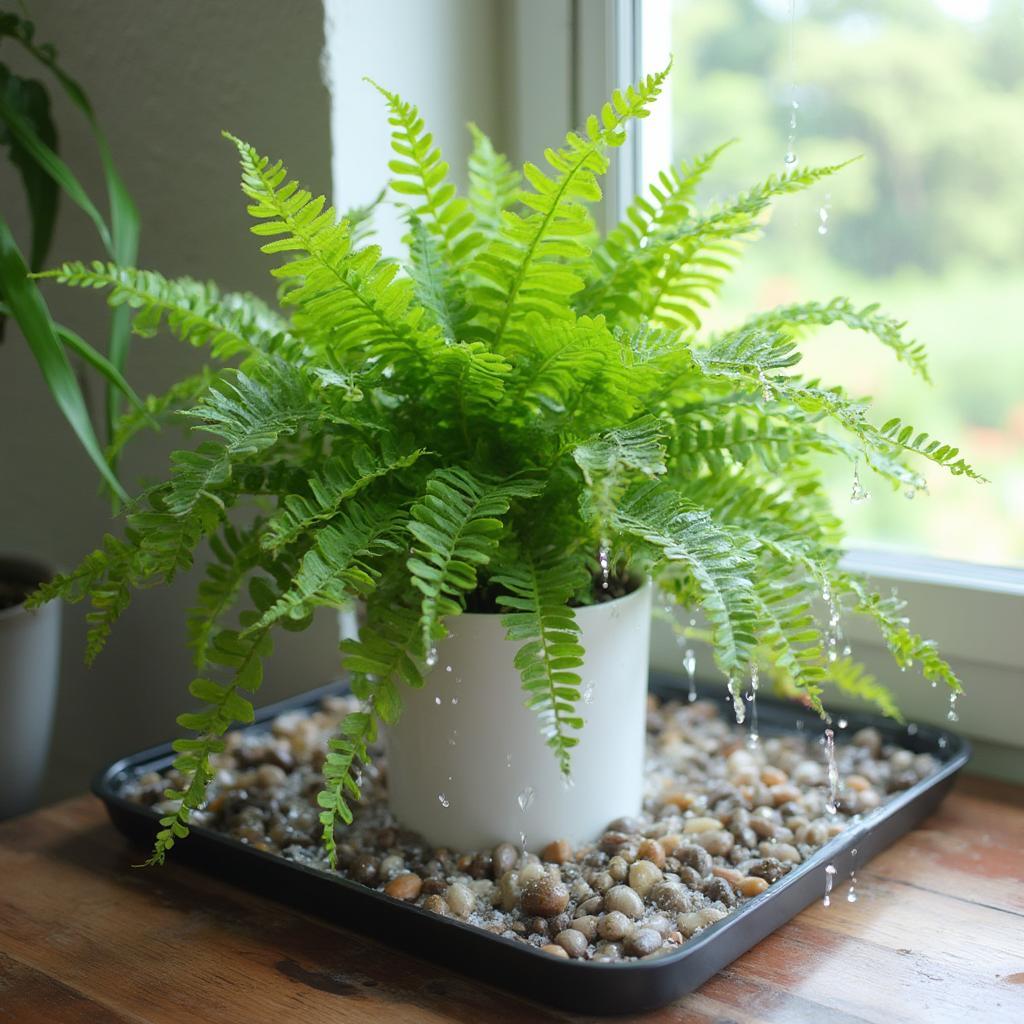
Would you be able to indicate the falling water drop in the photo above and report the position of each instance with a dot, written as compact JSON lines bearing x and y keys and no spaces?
{"x":588,"y":692}
{"x":437,"y":700}
{"x":912,"y":729}
{"x":909,"y":493}
{"x":525,"y":798}
{"x":842,"y":723}
{"x":830,"y":873}
{"x":766,"y":389}
{"x":833,"y":771}
{"x":858,"y":492}
{"x":790,"y":158}
{"x":431,"y":658}
{"x":447,"y":668}
{"x":522,"y":841}
{"x":952,"y":715}
{"x":823,"y":213}
{"x":754,"y":682}
{"x":508,"y":760}
{"x":943,"y":742}
{"x":455,"y":700}
{"x":690,"y":667}
{"x":851,"y":895}
{"x":737,"y":700}
{"x":451,"y":739}
{"x":445,"y":802}
{"x":604,"y":558}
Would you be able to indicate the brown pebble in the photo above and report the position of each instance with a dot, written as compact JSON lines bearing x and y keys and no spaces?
{"x":554,"y":950}
{"x":768,"y":868}
{"x":613,"y":926}
{"x":365,"y":869}
{"x":752,"y":886}
{"x":586,"y":926}
{"x":573,"y":941}
{"x":643,"y":942}
{"x":436,"y":905}
{"x":404,"y":887}
{"x":544,"y":897}
{"x":719,"y":890}
{"x":557,"y":852}
{"x":717,"y":842}
{"x":771,"y":776}
{"x":652,"y":850}
{"x":731,"y":875}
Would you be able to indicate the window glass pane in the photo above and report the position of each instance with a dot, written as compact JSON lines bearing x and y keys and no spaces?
{"x":930,"y":222}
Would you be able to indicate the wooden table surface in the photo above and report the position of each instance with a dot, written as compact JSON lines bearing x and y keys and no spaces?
{"x":937,"y":935}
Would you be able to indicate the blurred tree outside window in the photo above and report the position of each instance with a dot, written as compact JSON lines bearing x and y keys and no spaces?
{"x":930,"y":222}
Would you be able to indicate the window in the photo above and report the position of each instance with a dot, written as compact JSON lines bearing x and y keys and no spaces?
{"x":928,"y":223}
{"x":930,"y":95}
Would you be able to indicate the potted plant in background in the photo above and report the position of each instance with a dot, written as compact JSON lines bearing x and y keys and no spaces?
{"x":496,"y":447}
{"x":30,"y":643}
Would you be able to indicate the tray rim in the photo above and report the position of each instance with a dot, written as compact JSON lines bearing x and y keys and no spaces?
{"x":955,"y":756}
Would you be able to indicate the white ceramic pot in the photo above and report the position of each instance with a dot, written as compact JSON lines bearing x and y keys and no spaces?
{"x":29,"y":660}
{"x":468,"y":766}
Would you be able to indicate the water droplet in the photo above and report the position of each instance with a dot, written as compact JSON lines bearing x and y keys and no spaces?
{"x":847,"y":650}
{"x":755,"y":678}
{"x":445,"y":802}
{"x":431,"y":658}
{"x":790,"y":159}
{"x":451,"y":739}
{"x":437,"y":700}
{"x":766,"y":389}
{"x":604,"y":559}
{"x":952,"y":715}
{"x":455,"y":700}
{"x":522,"y":841}
{"x":447,"y":668}
{"x":909,"y":493}
{"x":823,"y":213}
{"x":737,"y":700}
{"x":830,"y":872}
{"x":508,"y":760}
{"x":525,"y":798}
{"x":912,"y":729}
{"x":851,"y":895}
{"x":833,"y":771}
{"x":588,"y":692}
{"x":843,"y":723}
{"x":690,"y":667}
{"x":693,"y":622}
{"x":943,"y":742}
{"x":858,"y":492}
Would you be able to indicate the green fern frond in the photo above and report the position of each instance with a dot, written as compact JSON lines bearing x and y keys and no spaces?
{"x":456,"y":525}
{"x":532,"y":265}
{"x":538,"y":616}
{"x":886,"y":329}
{"x":348,"y":300}
{"x":345,"y":752}
{"x":196,"y":312}
{"x":855,"y":681}
{"x":158,"y":410}
{"x":423,"y":177}
{"x":687,"y":537}
{"x":224,"y":704}
{"x":905,"y":437}
{"x":340,"y":564}
{"x":638,"y":446}
{"x":611,"y":276}
{"x":341,"y":478}
{"x":249,"y":414}
{"x":438,"y":288}
{"x":236,"y":553}
{"x":906,"y":647}
{"x":494,"y":184}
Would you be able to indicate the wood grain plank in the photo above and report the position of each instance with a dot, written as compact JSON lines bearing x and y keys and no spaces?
{"x":937,"y":935}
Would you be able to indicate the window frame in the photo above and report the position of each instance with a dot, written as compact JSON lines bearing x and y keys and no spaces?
{"x":976,"y":611}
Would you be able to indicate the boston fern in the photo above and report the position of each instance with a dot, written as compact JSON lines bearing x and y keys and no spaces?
{"x":522,"y":417}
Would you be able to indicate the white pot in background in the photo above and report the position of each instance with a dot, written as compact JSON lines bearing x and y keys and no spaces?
{"x":467,"y":764}
{"x":29,"y":660}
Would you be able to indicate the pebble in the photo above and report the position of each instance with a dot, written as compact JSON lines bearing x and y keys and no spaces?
{"x":404,"y":887}
{"x":643,"y":875}
{"x":701,"y":825}
{"x":623,"y":899}
{"x":504,"y":859}
{"x":768,"y":868}
{"x":613,"y":926}
{"x":554,"y":950}
{"x":652,"y":850}
{"x":673,"y":896}
{"x":643,"y":942}
{"x":717,"y":843}
{"x":461,"y":899}
{"x":544,"y":897}
{"x":573,"y":941}
{"x":436,"y":905}
{"x":557,"y":852}
{"x":586,"y":926}
{"x":751,"y":886}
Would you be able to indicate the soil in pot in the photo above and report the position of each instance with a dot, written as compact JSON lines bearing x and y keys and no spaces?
{"x":722,"y":822}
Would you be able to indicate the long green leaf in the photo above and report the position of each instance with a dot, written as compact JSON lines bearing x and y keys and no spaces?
{"x":29,"y":309}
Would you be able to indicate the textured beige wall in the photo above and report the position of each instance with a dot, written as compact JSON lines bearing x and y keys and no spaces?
{"x":165,"y":78}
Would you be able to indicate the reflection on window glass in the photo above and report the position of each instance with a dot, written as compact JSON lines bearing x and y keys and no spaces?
{"x":930,"y":222}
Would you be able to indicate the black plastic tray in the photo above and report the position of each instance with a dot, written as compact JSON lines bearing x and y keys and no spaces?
{"x":572,"y":984}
